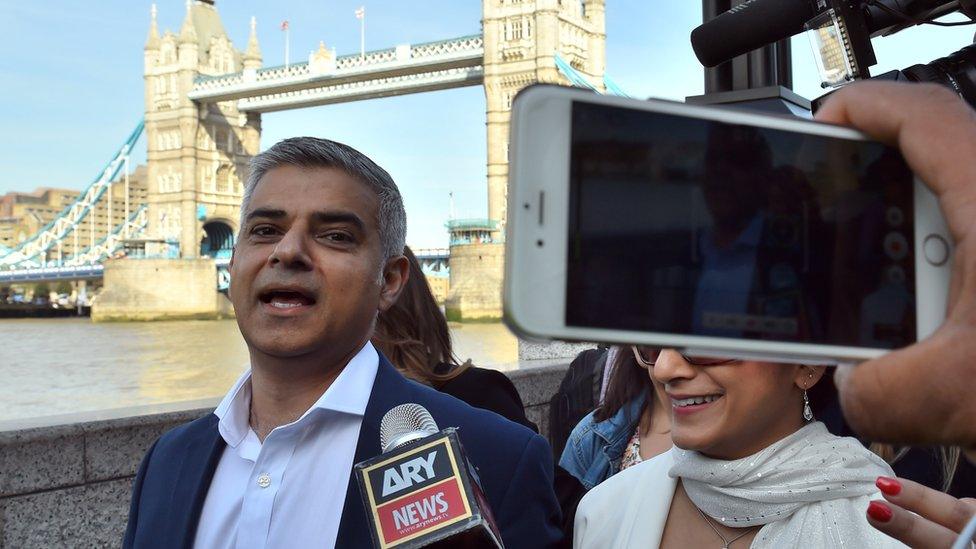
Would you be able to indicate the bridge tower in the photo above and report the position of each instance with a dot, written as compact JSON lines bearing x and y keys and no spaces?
{"x":521,"y":41}
{"x":197,"y":153}
{"x":521,"y":38}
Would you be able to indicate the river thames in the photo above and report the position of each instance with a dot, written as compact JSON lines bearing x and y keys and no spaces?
{"x":62,"y":366}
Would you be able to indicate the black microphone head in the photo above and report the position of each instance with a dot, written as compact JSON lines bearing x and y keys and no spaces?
{"x":405,"y":423}
{"x":749,"y":26}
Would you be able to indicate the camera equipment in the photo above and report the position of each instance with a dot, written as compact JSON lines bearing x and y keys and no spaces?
{"x":956,"y":71}
{"x":749,"y":26}
{"x":840,"y":33}
{"x":755,"y":23}
{"x":760,"y":80}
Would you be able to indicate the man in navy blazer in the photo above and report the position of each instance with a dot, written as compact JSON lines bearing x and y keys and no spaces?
{"x":319,"y":254}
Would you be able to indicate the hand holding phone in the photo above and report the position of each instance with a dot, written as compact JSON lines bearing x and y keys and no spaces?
{"x":716,"y":230}
{"x":921,"y":394}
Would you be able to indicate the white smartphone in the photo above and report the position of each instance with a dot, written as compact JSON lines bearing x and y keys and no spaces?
{"x":717,"y":231}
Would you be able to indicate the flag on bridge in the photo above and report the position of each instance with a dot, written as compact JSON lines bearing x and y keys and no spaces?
{"x":361,"y":15}
{"x":284,"y":28}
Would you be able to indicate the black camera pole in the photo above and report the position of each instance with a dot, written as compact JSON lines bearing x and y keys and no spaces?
{"x":761,"y":79}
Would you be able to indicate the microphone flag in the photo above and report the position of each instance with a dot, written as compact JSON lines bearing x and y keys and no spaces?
{"x":422,"y":493}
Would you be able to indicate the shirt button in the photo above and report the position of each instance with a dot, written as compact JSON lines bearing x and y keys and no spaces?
{"x":264,"y":480}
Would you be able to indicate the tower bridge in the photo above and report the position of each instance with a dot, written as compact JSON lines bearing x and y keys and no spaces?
{"x":326,"y":78}
{"x":204,"y":99}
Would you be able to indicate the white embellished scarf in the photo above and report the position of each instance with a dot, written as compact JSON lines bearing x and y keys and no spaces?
{"x":809,"y":489}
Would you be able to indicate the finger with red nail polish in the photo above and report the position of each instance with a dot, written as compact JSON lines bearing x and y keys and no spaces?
{"x":915,"y":530}
{"x":888,"y":486}
{"x":879,"y":511}
{"x":936,"y":506}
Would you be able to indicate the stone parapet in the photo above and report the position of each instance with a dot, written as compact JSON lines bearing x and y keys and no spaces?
{"x":65,"y":480}
{"x":549,"y":350}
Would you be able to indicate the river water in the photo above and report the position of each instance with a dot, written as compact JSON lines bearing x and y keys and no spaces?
{"x":61,"y":366}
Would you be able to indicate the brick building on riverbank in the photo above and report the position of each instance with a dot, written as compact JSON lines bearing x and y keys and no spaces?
{"x":23,"y":215}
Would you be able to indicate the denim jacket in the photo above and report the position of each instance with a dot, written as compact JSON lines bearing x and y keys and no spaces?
{"x":594,"y":450}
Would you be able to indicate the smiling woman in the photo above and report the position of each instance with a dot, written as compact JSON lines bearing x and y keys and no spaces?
{"x":750,"y":467}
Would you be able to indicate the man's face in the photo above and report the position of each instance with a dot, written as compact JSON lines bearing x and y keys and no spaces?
{"x":306,"y":267}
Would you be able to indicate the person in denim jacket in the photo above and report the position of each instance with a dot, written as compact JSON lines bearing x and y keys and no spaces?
{"x":631,"y":424}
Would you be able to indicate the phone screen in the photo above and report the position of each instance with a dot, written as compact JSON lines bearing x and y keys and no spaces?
{"x":696,"y":227}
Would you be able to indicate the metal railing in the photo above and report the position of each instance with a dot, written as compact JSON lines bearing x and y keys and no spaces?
{"x":27,"y":252}
{"x":111,"y":243}
{"x":48,"y":274}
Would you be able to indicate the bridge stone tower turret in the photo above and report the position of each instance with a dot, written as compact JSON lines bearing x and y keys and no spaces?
{"x":521,"y":38}
{"x":521,"y":41}
{"x":197,"y":153}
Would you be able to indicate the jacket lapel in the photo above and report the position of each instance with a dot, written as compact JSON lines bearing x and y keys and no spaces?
{"x":200,"y":458}
{"x":389,"y":389}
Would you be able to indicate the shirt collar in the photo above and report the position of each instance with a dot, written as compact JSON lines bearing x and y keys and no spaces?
{"x":348,"y":394}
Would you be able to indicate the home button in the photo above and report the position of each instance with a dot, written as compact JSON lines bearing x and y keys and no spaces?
{"x":936,"y":250}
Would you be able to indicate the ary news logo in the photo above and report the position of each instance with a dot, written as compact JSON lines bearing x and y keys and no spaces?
{"x":416,"y":492}
{"x":408,"y":474}
{"x":413,"y":470}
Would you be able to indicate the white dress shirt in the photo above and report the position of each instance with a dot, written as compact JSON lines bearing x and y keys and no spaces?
{"x":288,"y":491}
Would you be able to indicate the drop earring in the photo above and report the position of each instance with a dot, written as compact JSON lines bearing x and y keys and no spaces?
{"x":807,"y":412}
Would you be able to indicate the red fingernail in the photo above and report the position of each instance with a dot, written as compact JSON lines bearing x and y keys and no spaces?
{"x":879,"y":511}
{"x":890,"y":486}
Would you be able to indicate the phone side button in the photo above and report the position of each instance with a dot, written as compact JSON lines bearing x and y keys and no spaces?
{"x":936,"y":250}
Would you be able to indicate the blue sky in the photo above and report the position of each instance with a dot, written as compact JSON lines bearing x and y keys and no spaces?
{"x":72,"y":85}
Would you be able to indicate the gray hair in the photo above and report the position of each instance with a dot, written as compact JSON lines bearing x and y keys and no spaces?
{"x":313,"y":152}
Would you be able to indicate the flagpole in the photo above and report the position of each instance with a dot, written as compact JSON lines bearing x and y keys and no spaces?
{"x":361,"y":15}
{"x":287,"y":30}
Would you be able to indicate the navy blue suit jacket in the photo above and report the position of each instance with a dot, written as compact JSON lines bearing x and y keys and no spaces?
{"x":515,"y":466}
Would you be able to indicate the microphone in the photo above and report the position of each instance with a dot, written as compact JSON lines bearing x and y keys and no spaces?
{"x":749,"y":26}
{"x":422,"y":491}
{"x":757,"y":23}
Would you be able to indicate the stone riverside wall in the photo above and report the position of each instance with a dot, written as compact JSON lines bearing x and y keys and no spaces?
{"x":65,"y":481}
{"x":160,"y":289}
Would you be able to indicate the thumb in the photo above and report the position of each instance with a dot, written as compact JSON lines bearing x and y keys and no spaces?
{"x":901,"y":396}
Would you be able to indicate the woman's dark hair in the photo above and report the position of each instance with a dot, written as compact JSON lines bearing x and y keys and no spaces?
{"x":628,"y":380}
{"x":413,"y":332}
